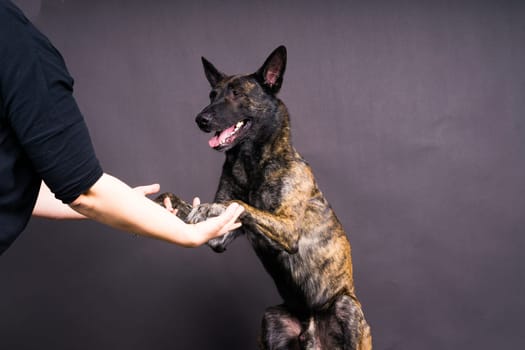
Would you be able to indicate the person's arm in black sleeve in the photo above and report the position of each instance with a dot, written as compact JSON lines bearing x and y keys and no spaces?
{"x":37,"y":92}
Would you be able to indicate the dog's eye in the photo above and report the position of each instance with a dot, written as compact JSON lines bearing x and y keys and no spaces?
{"x":213,"y":94}
{"x":233,"y":90}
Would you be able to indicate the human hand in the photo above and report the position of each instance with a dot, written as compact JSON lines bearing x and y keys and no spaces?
{"x":106,"y":198}
{"x":208,"y":221}
{"x":218,"y":225}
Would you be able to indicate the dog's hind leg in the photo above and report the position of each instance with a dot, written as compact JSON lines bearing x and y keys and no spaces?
{"x":280,"y":330}
{"x":356,"y":332}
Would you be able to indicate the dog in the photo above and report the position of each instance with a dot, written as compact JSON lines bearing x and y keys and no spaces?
{"x":288,"y":221}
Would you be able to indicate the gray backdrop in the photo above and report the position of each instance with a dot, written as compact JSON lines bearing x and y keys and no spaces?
{"x":411,"y":114}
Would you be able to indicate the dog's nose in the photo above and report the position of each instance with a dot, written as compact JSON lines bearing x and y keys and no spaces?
{"x":203,"y":120}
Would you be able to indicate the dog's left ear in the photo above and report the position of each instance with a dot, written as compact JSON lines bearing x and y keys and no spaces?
{"x":270,"y":75}
{"x":212,"y":74}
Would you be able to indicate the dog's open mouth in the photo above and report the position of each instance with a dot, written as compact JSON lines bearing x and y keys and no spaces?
{"x":226,"y":137}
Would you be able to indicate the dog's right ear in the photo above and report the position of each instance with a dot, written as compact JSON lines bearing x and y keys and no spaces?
{"x":212,"y":74}
{"x":270,"y":75}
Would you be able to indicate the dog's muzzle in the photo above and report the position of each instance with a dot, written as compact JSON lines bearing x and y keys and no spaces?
{"x":203,"y":120}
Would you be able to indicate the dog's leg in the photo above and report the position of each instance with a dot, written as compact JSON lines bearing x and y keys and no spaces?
{"x":280,"y":229}
{"x":280,"y":330}
{"x":300,"y":205}
{"x":356,"y":332}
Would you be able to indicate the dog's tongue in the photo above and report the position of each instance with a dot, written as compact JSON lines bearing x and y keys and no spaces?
{"x":216,"y":140}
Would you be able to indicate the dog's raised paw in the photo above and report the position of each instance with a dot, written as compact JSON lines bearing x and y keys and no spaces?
{"x":204,"y":211}
{"x":183,"y":208}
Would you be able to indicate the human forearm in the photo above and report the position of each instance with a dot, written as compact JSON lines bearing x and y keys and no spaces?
{"x":112,"y":202}
{"x":47,"y":206}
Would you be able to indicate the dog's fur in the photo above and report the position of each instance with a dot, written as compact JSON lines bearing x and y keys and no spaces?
{"x":289,"y":223}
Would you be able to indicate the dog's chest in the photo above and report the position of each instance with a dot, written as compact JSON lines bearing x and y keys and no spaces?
{"x":265,"y":197}
{"x":260,"y":188}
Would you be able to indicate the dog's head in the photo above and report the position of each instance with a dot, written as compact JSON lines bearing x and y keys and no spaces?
{"x":243,"y":107}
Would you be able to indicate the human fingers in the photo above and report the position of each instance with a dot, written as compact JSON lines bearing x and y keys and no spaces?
{"x":167,"y":204}
{"x":196,"y":202}
{"x":218,"y":225}
{"x":147,"y":189}
{"x":234,"y":222}
{"x":227,"y":221}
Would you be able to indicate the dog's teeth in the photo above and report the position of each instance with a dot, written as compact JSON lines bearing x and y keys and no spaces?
{"x":238,"y":125}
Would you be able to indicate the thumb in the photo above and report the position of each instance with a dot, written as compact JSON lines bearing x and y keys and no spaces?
{"x":147,"y":189}
{"x":219,"y":225}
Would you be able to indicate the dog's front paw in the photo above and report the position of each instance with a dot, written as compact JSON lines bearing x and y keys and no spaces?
{"x":218,"y":244}
{"x":204,"y":211}
{"x":183,"y":208}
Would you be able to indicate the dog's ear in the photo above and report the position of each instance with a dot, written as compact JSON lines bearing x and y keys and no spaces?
{"x":270,"y":75}
{"x":212,"y":74}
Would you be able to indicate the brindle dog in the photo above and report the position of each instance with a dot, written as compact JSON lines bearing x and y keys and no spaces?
{"x":289,"y":223}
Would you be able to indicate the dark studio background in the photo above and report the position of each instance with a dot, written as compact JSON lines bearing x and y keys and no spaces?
{"x":411,"y":114}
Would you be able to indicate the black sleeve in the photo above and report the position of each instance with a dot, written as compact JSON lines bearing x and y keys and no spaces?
{"x":39,"y":106}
